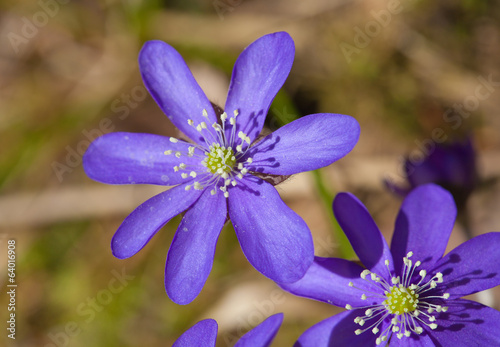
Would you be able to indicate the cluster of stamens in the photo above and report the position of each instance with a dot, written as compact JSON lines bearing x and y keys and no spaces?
{"x":407,"y":303}
{"x":220,"y":157}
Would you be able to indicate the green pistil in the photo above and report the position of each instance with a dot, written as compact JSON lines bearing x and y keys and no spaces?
{"x":401,"y":300}
{"x":220,"y":159}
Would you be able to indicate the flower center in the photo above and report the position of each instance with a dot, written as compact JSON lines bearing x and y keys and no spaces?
{"x":221,"y":159}
{"x":408,"y":304}
{"x":401,"y":300}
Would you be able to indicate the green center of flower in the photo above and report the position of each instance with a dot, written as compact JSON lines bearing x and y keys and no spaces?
{"x":220,"y":159}
{"x":401,"y":300}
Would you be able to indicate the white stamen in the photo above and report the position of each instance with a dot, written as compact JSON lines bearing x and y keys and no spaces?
{"x":221,"y":157}
{"x":364,"y":274}
{"x":408,"y":303}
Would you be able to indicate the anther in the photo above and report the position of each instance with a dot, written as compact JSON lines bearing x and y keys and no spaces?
{"x":364,"y":274}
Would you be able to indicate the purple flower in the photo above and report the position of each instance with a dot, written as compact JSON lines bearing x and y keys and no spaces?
{"x":204,"y":333}
{"x":214,"y":174}
{"x":450,"y":165}
{"x":409,"y":294}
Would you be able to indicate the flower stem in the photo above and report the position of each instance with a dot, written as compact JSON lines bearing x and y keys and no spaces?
{"x":345,"y":249}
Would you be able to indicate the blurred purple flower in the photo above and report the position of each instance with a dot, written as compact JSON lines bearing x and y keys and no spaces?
{"x":214,"y":174}
{"x":204,"y":333}
{"x":450,"y":165}
{"x":409,"y":294}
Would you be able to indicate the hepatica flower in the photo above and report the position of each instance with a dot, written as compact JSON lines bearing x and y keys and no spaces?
{"x":214,"y":174}
{"x":408,"y":294}
{"x":451,"y":165}
{"x":204,"y":333}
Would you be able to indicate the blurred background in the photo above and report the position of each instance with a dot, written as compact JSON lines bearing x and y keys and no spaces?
{"x":417,"y":75}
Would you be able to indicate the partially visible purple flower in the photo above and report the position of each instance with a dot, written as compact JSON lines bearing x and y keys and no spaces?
{"x":451,"y":165}
{"x":409,"y":294}
{"x":214,"y":174}
{"x":204,"y":333}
